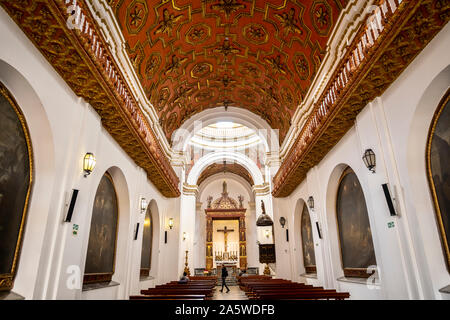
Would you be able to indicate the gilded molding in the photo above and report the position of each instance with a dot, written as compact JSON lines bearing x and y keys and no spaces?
{"x":369,"y":71}
{"x":83,"y":59}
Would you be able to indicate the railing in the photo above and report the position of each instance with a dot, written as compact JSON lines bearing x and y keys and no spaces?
{"x":78,"y":19}
{"x":342,"y":78}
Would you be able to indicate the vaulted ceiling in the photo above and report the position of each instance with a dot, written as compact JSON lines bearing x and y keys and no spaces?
{"x":194,"y":55}
{"x":235,"y":168}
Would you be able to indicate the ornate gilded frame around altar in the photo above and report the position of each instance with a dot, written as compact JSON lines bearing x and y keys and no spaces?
{"x":226,"y":214}
{"x":442,"y":232}
{"x":7,"y":280}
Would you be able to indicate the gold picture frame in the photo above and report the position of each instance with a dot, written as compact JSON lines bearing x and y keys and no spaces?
{"x":7,"y":279}
{"x":352,"y":272}
{"x":442,"y":232}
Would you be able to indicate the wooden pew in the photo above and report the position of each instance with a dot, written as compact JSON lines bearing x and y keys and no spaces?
{"x":285,"y":289}
{"x":169,"y":297}
{"x":178,"y":291}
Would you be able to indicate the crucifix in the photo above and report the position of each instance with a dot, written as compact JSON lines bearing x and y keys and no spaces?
{"x":225,"y":236}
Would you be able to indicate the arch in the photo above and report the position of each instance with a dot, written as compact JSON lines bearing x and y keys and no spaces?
{"x":423,"y":207}
{"x":147,"y":243}
{"x":438,"y":153}
{"x":332,"y":229}
{"x":231,"y":176}
{"x":243,"y":160}
{"x":183,"y":135}
{"x":121,"y":187}
{"x":154,"y":210}
{"x":308,"y":250}
{"x":15,"y":185}
{"x":354,"y":231}
{"x":40,"y":132}
{"x":102,"y":244}
{"x":299,"y":261}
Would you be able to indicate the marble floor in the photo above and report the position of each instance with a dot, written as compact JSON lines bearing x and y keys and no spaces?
{"x":234,"y":294}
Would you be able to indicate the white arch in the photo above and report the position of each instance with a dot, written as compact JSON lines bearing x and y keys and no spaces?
{"x":183,"y":135}
{"x":154,"y":215}
{"x":41,"y":208}
{"x":243,"y":160}
{"x":230,"y":176}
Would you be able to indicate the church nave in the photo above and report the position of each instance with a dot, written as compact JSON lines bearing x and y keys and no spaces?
{"x":297,"y":150}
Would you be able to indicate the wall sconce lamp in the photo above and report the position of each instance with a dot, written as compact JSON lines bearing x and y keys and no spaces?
{"x":267,"y":233}
{"x":311,"y":202}
{"x":170,"y":223}
{"x":88,"y":163}
{"x":282,"y":222}
{"x":369,"y":160}
{"x":143,"y":205}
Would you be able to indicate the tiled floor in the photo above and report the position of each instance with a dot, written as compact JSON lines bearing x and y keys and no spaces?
{"x":234,"y":294}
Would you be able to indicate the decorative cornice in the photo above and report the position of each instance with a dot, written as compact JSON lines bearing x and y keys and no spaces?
{"x":262,"y":189}
{"x":77,"y":50}
{"x":376,"y":58}
{"x":349,"y":22}
{"x":190,"y":190}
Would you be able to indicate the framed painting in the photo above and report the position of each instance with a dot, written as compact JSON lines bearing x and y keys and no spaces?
{"x":309,"y":257}
{"x":267,"y":253}
{"x":355,"y":236}
{"x":146,"y":251}
{"x":16,"y":175}
{"x":101,"y":253}
{"x":438,"y":170}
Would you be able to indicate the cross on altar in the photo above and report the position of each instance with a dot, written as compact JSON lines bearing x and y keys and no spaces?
{"x":225,"y":236}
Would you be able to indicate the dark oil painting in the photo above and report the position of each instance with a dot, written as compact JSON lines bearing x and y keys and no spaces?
{"x":309,"y":258}
{"x":438,"y":159}
{"x":354,"y":228}
{"x":15,"y":181}
{"x":146,"y":252}
{"x":102,"y":236}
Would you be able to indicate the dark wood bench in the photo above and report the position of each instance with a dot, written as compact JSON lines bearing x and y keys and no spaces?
{"x":169,"y":297}
{"x":286,"y":289}
{"x":177,"y":291}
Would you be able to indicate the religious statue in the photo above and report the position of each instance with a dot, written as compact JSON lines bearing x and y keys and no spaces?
{"x":241,"y":200}
{"x":209,"y":251}
{"x":224,"y":186}
{"x":225,"y":231}
{"x":242,"y":252}
{"x":210,"y":198}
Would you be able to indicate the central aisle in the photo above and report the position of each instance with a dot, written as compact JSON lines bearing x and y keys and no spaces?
{"x":235,"y":294}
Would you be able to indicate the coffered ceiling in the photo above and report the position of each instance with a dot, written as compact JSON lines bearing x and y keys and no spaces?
{"x":258,"y":55}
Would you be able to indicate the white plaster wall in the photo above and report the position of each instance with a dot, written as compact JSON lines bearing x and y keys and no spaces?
{"x":409,"y":256}
{"x":63,"y":128}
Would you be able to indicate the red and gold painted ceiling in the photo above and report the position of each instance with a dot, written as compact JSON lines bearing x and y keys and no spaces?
{"x":194,"y":55}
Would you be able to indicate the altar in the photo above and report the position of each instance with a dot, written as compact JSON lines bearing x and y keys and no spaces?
{"x":225,"y":233}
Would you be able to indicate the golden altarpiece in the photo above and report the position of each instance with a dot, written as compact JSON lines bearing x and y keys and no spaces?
{"x":225,"y":208}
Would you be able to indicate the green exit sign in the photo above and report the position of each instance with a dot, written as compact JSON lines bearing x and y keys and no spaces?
{"x":391,"y":224}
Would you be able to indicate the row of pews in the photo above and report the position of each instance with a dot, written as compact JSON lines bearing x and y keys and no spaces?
{"x":198,"y":288}
{"x":266,"y":288}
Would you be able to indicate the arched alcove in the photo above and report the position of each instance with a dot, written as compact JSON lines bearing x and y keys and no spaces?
{"x":300,"y":211}
{"x":123,"y":225}
{"x":219,"y":157}
{"x":154,"y":210}
{"x":334,"y":233}
{"x":40,"y":132}
{"x":427,"y":236}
